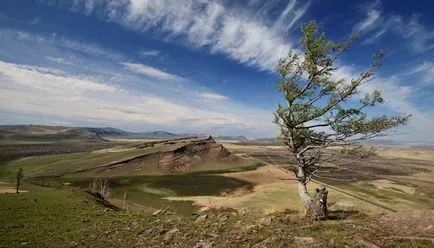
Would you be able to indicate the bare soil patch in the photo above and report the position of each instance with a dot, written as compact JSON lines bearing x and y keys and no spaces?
{"x":9,"y":190}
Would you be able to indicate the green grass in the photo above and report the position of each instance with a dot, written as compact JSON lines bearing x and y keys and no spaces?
{"x":148,"y":192}
{"x":145,"y":190}
{"x":65,"y":216}
{"x":52,"y":218}
{"x":65,"y":163}
{"x":49,"y":217}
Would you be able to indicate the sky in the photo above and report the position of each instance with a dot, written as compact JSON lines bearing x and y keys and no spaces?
{"x":199,"y":66}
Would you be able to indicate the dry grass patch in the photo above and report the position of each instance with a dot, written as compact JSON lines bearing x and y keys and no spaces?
{"x":271,"y":194}
{"x":408,"y":152}
{"x":115,"y":149}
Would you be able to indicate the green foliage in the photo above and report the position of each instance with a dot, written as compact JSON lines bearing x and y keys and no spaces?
{"x":317,"y":112}
{"x":20,"y":175}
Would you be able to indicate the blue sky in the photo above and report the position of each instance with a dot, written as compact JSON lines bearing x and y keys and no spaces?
{"x":198,"y":66}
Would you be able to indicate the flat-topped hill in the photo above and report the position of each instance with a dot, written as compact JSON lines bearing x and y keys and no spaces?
{"x":154,"y":157}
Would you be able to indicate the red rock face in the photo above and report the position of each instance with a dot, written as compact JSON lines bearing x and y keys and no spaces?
{"x":196,"y":152}
{"x":169,"y":156}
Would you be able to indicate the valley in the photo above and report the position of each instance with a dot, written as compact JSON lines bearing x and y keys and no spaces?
{"x":164,"y":184}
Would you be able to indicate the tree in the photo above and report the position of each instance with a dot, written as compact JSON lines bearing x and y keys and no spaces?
{"x":20,"y":175}
{"x":99,"y":186}
{"x":322,"y":111}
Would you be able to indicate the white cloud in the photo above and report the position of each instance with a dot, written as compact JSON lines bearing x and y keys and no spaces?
{"x":249,"y":39}
{"x":150,"y":53}
{"x":375,"y":36}
{"x":43,"y":91}
{"x":376,"y":24}
{"x":369,"y":22}
{"x":59,"y":60}
{"x":425,"y":70}
{"x":397,"y":97}
{"x":22,"y":35}
{"x":62,"y":42}
{"x":212,"y":96}
{"x":421,"y":37}
{"x":290,"y":15}
{"x":35,"y":20}
{"x":151,"y":72}
{"x":231,"y":31}
{"x":49,"y":80}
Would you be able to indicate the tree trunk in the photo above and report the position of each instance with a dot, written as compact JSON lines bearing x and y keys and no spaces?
{"x":316,"y":207}
{"x":304,"y":195}
{"x":18,"y":185}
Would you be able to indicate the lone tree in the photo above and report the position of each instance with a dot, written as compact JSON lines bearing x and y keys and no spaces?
{"x":20,"y":175}
{"x":322,"y":111}
{"x":99,"y":186}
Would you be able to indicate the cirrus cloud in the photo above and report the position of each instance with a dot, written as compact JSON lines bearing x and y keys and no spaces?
{"x":150,"y":71}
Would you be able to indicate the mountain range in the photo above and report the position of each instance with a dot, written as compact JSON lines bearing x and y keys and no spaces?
{"x":43,"y":133}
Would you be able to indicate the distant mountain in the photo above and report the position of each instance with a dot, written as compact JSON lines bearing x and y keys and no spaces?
{"x":41,"y":133}
{"x":160,"y":135}
{"x":45,"y":134}
{"x":108,"y":131}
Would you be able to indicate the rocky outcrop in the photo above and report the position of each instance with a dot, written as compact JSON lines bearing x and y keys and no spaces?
{"x":193,"y":153}
{"x":169,"y":156}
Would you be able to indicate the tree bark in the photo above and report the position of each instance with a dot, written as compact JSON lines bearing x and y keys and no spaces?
{"x":304,"y":195}
{"x":316,"y":207}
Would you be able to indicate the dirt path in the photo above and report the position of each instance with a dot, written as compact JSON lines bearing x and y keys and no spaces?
{"x":9,"y":190}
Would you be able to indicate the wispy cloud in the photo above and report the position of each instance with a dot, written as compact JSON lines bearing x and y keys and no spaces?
{"x":35,"y":20}
{"x":59,"y":60}
{"x":425,"y":70}
{"x":211,"y":96}
{"x":230,"y":31}
{"x":290,"y":15}
{"x":150,"y":53}
{"x":49,"y":80}
{"x":376,"y":24}
{"x":375,"y":36}
{"x":63,"y":42}
{"x":371,"y":20}
{"x":421,"y":37}
{"x":151,"y":72}
{"x":397,"y":97}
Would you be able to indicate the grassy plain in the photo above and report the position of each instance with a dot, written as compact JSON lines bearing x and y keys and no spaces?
{"x":49,"y":217}
{"x":246,"y":205}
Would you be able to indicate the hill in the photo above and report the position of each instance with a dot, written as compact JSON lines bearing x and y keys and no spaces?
{"x":156,"y":157}
{"x":46,"y":134}
{"x":25,"y":134}
{"x":20,"y":134}
{"x":110,"y":132}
